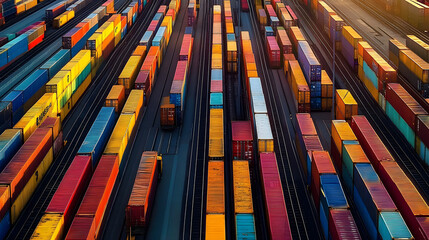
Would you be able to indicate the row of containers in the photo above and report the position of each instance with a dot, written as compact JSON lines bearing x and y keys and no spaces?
{"x":404,"y":111}
{"x":15,"y":45}
{"x":26,"y":154}
{"x":85,"y":34}
{"x":173,"y":105}
{"x":274,"y":202}
{"x":215,"y":199}
{"x":357,"y":167}
{"x":10,"y":8}
{"x":288,"y":48}
{"x":414,"y":12}
{"x":380,"y":78}
{"x":89,"y":182}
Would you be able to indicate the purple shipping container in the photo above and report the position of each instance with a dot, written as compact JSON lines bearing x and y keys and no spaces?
{"x":309,"y":63}
{"x":348,"y":52}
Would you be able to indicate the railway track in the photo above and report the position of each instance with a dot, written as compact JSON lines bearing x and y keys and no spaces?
{"x":81,"y":119}
{"x":301,"y":212}
{"x":403,"y":153}
{"x":193,"y":221}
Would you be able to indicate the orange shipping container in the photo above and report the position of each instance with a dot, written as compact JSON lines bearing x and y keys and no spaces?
{"x":346,"y":105}
{"x":215,"y":188}
{"x":242,"y":189}
{"x":116,"y":97}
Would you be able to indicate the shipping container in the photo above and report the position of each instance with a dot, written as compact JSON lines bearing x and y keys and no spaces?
{"x":116,"y":98}
{"x":264,"y":133}
{"x":215,"y":227}
{"x":83,"y":227}
{"x":120,"y":136}
{"x":216,"y":135}
{"x":349,"y":45}
{"x":310,"y":67}
{"x":273,"y":197}
{"x":395,"y":47}
{"x":138,"y":209}
{"x":342,"y":225}
{"x":273,"y":50}
{"x":242,"y":140}
{"x":10,"y":143}
{"x":98,"y":134}
{"x":346,"y":105}
{"x":97,"y":196}
{"x":321,"y":164}
{"x":242,"y":187}
{"x":167,"y":114}
{"x":300,"y":88}
{"x":340,"y":133}
{"x":134,"y":103}
{"x":51,"y":226}
{"x":71,"y":189}
{"x":416,"y":70}
{"x":245,"y":227}
{"x":215,"y":188}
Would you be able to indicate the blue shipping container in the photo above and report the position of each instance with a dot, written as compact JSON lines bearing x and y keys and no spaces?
{"x":15,"y":98}
{"x":364,"y":214}
{"x":33,"y":83}
{"x":5,"y":225}
{"x":216,"y":74}
{"x":245,"y":227}
{"x":98,"y":135}
{"x":316,"y":103}
{"x":82,"y":42}
{"x":370,"y":75}
{"x":56,"y":62}
{"x":391,"y":225}
{"x":216,"y":100}
{"x":9,"y":146}
{"x":16,"y":47}
{"x":146,"y":40}
{"x":332,"y":195}
{"x":269,"y":31}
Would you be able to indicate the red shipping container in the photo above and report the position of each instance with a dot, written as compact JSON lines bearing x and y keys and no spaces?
{"x":83,"y":227}
{"x":342,"y":225}
{"x":273,"y":52}
{"x":216,"y":86}
{"x":423,"y":129}
{"x":58,"y":144}
{"x":97,"y":196}
{"x":321,"y":163}
{"x":186,"y":49}
{"x":162,"y":9}
{"x":123,"y":22}
{"x":305,"y":124}
{"x":406,"y":197}
{"x":153,"y":25}
{"x":181,"y":71}
{"x":372,"y":145}
{"x":22,"y":166}
{"x":293,"y":15}
{"x":404,"y":104}
{"x":36,"y":41}
{"x":242,"y":140}
{"x":84,"y":26}
{"x":273,"y":194}
{"x":72,"y":37}
{"x":424,"y":226}
{"x":140,"y":203}
{"x":71,"y":188}
{"x":270,"y":10}
{"x":143,"y":82}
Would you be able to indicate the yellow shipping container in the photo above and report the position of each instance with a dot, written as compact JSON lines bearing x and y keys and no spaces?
{"x":341,"y":131}
{"x":130,"y":71}
{"x":121,"y":134}
{"x":242,"y":188}
{"x":31,"y":185}
{"x":231,"y":47}
{"x":168,"y":23}
{"x":30,"y":4}
{"x":82,"y":58}
{"x":115,"y":98}
{"x":229,"y":28}
{"x":216,"y":139}
{"x":299,"y":84}
{"x":351,"y":36}
{"x":96,"y":39}
{"x":217,"y":49}
{"x":327,"y":87}
{"x":65,"y":110}
{"x":217,"y":9}
{"x":346,"y":105}
{"x":64,"y":97}
{"x":106,"y":29}
{"x":134,"y":103}
{"x":81,"y":89}
{"x":20,"y":8}
{"x":415,"y":64}
{"x":58,"y":83}
{"x":215,"y":227}
{"x":217,"y":61}
{"x":37,"y":114}
{"x":50,"y":227}
{"x":215,"y":188}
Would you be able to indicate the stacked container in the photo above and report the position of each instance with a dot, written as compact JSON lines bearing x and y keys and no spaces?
{"x":242,"y":140}
{"x":299,"y":87}
{"x":341,"y":134}
{"x":349,"y":46}
{"x":327,"y":91}
{"x":336,"y":25}
{"x":312,"y":72}
{"x":345,"y":105}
